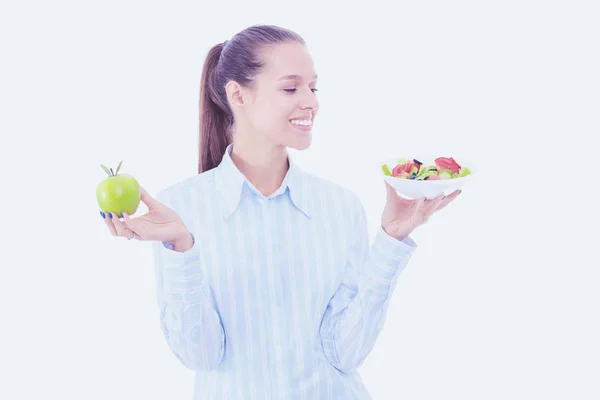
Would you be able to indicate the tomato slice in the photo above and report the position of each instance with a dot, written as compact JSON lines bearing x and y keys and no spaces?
{"x":443,"y":163}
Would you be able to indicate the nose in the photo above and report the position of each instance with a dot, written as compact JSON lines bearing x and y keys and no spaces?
{"x":313,"y":106}
{"x":310,"y":101}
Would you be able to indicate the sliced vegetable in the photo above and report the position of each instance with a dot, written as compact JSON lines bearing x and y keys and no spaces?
{"x":444,"y":168}
{"x":445,"y":174}
{"x":443,"y":163}
{"x":386,"y":170}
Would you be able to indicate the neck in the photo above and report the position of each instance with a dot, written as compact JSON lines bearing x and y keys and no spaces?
{"x":263,"y":164}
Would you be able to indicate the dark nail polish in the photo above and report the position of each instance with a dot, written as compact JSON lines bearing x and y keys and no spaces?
{"x":443,"y":197}
{"x":102,"y":213}
{"x":110,"y":215}
{"x":425,"y":200}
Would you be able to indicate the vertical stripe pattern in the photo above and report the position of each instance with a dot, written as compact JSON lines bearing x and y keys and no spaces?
{"x":281,"y":296}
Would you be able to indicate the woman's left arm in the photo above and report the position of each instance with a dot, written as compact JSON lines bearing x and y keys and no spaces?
{"x":356,"y":312}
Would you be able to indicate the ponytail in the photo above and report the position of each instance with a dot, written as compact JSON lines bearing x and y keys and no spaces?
{"x":215,"y":117}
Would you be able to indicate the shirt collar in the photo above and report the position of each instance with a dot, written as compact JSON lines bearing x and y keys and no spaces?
{"x":230,"y":182}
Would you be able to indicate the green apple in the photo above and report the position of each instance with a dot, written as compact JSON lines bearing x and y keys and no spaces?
{"x":118,"y":193}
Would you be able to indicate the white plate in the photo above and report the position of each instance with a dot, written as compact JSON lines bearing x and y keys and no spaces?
{"x":412,"y":188}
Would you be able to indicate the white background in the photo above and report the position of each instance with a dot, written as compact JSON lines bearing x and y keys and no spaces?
{"x":501,"y":300}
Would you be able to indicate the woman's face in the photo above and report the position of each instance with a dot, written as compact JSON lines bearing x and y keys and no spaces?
{"x":285,"y":90}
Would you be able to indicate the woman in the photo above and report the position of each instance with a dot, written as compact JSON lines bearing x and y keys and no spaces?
{"x":267,"y":285}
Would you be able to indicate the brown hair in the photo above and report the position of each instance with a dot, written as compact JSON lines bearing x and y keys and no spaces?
{"x":237,"y":59}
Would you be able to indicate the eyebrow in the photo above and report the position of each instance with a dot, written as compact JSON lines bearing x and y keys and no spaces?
{"x":294,"y":77}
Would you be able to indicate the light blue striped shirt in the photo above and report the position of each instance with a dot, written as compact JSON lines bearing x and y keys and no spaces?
{"x":281,"y":297}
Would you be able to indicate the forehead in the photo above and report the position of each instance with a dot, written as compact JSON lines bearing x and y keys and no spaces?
{"x":288,"y":59}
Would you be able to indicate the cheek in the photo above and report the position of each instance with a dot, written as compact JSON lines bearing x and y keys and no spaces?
{"x":273,"y":123}
{"x":277,"y":116}
{"x":273,"y":117}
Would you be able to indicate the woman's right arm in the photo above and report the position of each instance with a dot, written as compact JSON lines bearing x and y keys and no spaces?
{"x":189,"y":318}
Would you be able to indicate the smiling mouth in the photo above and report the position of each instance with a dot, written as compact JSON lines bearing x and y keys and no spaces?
{"x":302,"y":127}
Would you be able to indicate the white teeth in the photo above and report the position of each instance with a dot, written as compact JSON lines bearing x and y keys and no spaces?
{"x":303,"y":122}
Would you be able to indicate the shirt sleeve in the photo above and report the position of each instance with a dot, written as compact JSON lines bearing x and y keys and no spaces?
{"x":356,"y":313}
{"x":189,"y":318}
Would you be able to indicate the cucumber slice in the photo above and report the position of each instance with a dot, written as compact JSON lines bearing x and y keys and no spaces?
{"x":445,"y":174}
{"x":425,"y":175}
{"x":425,"y":169}
{"x":464,"y":172}
{"x":386,"y":170}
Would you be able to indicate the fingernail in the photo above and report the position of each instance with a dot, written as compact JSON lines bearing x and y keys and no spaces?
{"x":444,"y":197}
{"x":110,"y":215}
{"x":460,"y":191}
{"x":102,"y":213}
{"x":425,"y":200}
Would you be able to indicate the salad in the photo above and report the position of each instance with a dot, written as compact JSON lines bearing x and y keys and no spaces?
{"x":444,"y":168}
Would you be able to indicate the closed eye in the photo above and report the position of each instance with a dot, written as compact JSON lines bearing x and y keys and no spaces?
{"x":293,"y":90}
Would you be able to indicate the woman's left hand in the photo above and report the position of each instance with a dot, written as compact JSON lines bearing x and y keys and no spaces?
{"x":401,"y":216}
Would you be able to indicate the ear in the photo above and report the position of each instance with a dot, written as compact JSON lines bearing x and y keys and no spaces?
{"x":235,"y":94}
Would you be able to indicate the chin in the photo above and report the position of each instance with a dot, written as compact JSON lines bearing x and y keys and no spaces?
{"x":301,"y":147}
{"x":300,"y":143}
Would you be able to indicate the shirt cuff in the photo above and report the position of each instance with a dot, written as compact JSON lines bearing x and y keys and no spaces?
{"x":181,"y":271}
{"x":390,"y":245}
{"x":170,"y":246}
{"x":388,"y":257}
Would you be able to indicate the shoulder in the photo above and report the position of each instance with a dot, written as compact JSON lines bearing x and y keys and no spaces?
{"x":173,"y":194}
{"x":328,"y":190}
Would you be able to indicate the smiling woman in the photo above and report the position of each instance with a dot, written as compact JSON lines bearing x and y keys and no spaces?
{"x":271,"y":290}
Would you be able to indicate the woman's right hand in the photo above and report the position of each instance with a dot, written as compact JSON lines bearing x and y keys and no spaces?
{"x":159,"y":223}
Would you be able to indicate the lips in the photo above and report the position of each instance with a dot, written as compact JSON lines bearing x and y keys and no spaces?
{"x":305,"y":128}
{"x":305,"y":117}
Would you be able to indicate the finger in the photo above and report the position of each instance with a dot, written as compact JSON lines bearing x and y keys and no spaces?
{"x":147,"y":199}
{"x":431,"y":205}
{"x":110,"y":225}
{"x":448,"y":199}
{"x":391,"y":192}
{"x":134,"y":225}
{"x":121,"y":228}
